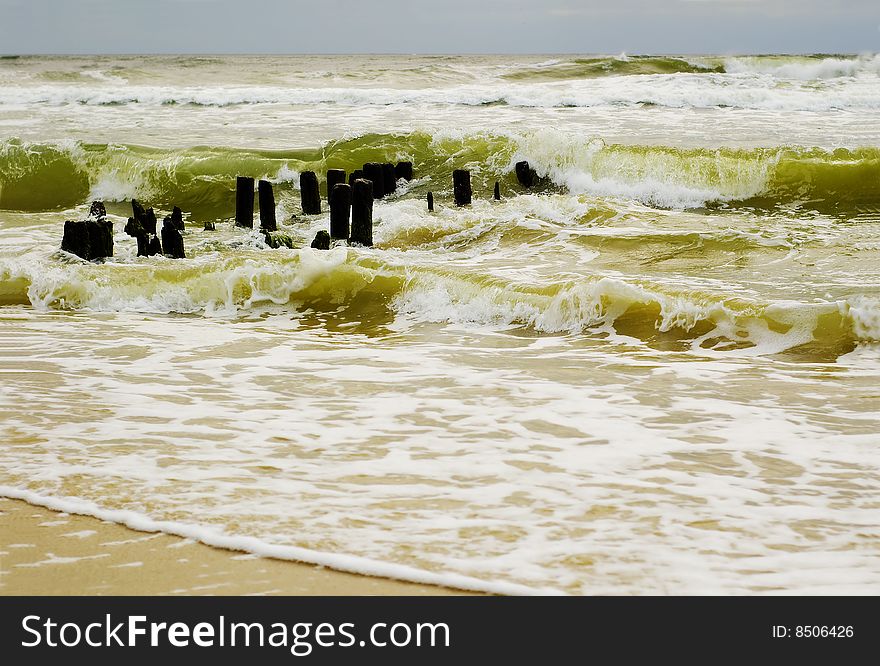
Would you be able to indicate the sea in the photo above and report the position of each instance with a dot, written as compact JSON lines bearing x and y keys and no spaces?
{"x":657,"y":371}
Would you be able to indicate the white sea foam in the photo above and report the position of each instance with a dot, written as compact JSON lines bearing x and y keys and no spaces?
{"x":746,"y":91}
{"x":219,"y":539}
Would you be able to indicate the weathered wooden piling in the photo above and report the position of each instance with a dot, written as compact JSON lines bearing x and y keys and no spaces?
{"x":310,"y":195}
{"x":177,"y":218}
{"x":374,"y":172}
{"x":497,"y":193}
{"x":172,"y":239}
{"x":340,"y":211}
{"x":334,"y":177}
{"x":244,"y":202}
{"x":97,"y":210}
{"x":209,"y":226}
{"x":431,"y":202}
{"x":362,"y":212}
{"x":322,"y":241}
{"x":88,"y":239}
{"x":267,"y":206}
{"x":404,"y":170}
{"x":461,"y":186}
{"x":147,"y":244}
{"x":525,"y":174}
{"x":147,"y":217}
{"x":355,"y":175}
{"x":389,"y":178}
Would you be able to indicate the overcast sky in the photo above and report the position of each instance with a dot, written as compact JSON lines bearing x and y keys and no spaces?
{"x":439,"y":26}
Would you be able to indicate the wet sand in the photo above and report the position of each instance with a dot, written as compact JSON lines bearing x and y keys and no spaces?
{"x":44,"y":552}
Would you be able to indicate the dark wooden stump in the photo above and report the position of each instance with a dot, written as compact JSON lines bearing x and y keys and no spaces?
{"x":172,"y":239}
{"x":177,"y":218}
{"x":334,"y":177}
{"x":362,"y":212}
{"x":404,"y":170}
{"x":431,"y":202}
{"x":97,"y":210}
{"x":355,"y":175}
{"x":244,"y":202}
{"x":209,"y":226}
{"x":322,"y":241}
{"x":389,"y":178}
{"x":147,"y":217}
{"x":145,"y":244}
{"x":154,"y":247}
{"x":461,"y":186}
{"x":525,"y":174}
{"x":310,"y":195}
{"x":497,"y":192}
{"x":374,"y":172}
{"x":88,"y":239}
{"x":340,"y":211}
{"x":267,"y":206}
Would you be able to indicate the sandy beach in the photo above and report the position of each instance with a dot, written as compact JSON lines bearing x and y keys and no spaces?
{"x":44,"y":552}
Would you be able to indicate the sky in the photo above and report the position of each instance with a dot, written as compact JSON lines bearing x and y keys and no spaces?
{"x":439,"y":26}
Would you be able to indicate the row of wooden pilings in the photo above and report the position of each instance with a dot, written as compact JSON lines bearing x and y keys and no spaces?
{"x":351,"y":210}
{"x":351,"y":203}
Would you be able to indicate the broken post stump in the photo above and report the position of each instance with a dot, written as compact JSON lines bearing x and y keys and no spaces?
{"x":374,"y":172}
{"x":431,"y":202}
{"x":362,"y":212}
{"x":389,"y":178}
{"x":172,"y":239}
{"x":267,"y":206}
{"x":147,"y":217}
{"x":404,"y":170}
{"x":244,"y":202}
{"x":97,"y":210}
{"x":340,"y":211}
{"x":355,"y":175}
{"x":310,"y":195}
{"x":177,"y":218}
{"x":322,"y":241}
{"x":461,"y":186}
{"x":210,"y":226}
{"x":334,"y":177}
{"x":147,"y":244}
{"x":497,"y":193}
{"x":525,"y":174}
{"x":88,"y":239}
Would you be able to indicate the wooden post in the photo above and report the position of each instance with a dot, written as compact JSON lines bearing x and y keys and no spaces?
{"x":525,"y":174}
{"x":172,"y":240}
{"x":209,"y":226}
{"x":461,"y":186}
{"x":177,"y":218}
{"x":310,"y":195}
{"x":497,"y":192}
{"x":374,"y":172}
{"x":334,"y":176}
{"x":357,"y":173}
{"x":340,"y":211}
{"x":267,"y":206}
{"x":404,"y":170}
{"x":362,"y":212}
{"x":89,"y":239}
{"x":389,"y":178}
{"x":97,"y":210}
{"x":430,"y":202}
{"x":244,"y":202}
{"x":147,"y":217}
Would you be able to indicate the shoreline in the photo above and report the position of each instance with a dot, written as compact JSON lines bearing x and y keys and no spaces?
{"x":45,"y":552}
